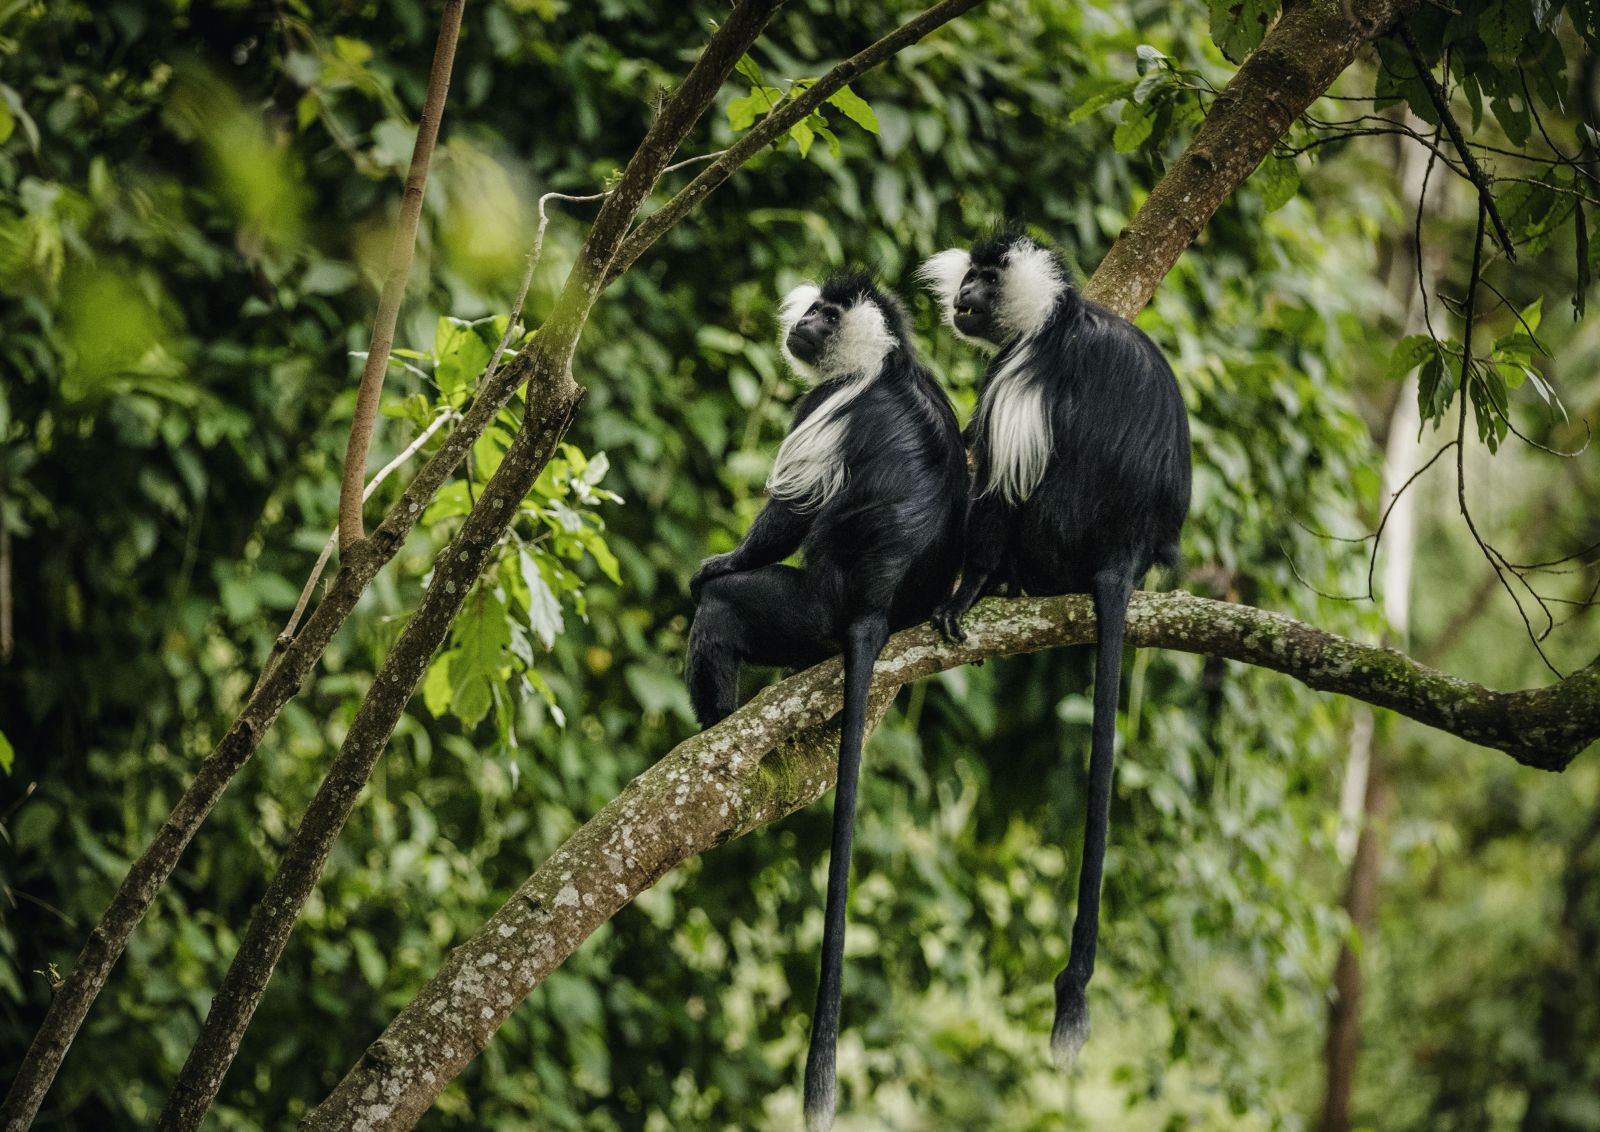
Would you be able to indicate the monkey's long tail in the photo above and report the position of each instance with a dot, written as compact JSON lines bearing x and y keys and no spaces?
{"x":1111,"y":593}
{"x":864,"y":640}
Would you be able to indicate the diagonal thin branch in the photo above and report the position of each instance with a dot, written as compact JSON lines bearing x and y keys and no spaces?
{"x":401,"y":252}
{"x":776,"y":124}
{"x":1475,"y":173}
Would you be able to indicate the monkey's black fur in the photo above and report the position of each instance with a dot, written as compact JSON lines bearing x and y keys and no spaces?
{"x":1109,"y":505}
{"x":879,"y":554}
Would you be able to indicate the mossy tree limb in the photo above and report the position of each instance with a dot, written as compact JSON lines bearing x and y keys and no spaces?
{"x":779,"y":753}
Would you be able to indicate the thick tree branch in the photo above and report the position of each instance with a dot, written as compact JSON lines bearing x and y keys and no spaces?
{"x":779,"y":753}
{"x":1297,"y":61}
{"x":401,"y":251}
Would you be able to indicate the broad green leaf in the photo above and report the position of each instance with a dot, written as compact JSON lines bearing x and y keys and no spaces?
{"x":7,"y":753}
{"x":1137,"y":122}
{"x":544,"y":610}
{"x":1237,"y":26}
{"x":436,"y":691}
{"x":1095,"y":102}
{"x":1279,"y":180}
{"x":1410,"y":353}
{"x":855,"y":108}
{"x":803,"y":136}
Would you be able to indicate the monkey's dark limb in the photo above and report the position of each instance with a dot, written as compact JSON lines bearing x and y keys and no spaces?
{"x":1475,"y":173}
{"x":987,"y":522}
{"x":864,"y":640}
{"x":1112,"y":590}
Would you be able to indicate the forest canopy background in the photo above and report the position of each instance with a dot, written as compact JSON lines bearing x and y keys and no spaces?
{"x":195,"y":209}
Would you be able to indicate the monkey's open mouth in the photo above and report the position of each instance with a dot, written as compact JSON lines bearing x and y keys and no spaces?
{"x":963,"y":310}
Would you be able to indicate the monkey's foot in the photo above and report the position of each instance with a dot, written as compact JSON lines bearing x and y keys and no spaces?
{"x":1071,"y":1027}
{"x":947,"y":619}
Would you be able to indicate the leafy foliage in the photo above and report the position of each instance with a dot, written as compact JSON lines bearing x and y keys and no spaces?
{"x":193,"y":205}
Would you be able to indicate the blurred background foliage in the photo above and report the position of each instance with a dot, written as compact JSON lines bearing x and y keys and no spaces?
{"x":194,"y":207}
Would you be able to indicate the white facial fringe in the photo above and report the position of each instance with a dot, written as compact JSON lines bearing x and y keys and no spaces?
{"x":809,"y":469}
{"x":942,"y":274}
{"x":1029,"y":287}
{"x":1017,"y":430}
{"x":790,"y":311}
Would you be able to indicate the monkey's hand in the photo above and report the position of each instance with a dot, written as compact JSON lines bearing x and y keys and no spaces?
{"x":947,"y":619}
{"x":710,"y":570}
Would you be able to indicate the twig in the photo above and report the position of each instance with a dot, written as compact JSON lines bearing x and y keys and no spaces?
{"x":1441,"y":104}
{"x":382,"y":474}
{"x":1489,"y":552}
{"x":401,"y":251}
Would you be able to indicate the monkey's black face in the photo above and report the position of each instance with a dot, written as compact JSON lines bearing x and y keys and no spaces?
{"x":976,"y":302}
{"x":810,"y":335}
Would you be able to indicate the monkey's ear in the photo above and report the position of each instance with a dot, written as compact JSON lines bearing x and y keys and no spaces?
{"x":942,"y":274}
{"x":1029,"y":287}
{"x":795,"y":304}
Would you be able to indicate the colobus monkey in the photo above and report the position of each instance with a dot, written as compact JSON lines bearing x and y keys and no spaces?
{"x":871,"y":486}
{"x":1081,"y":456}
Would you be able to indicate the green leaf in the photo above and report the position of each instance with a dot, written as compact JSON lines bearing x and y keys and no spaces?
{"x":1279,"y":180}
{"x":1531,"y":314}
{"x":1410,"y":353}
{"x":803,"y":137}
{"x":743,"y":112}
{"x":8,"y":121}
{"x":1095,"y":102}
{"x":855,"y":108}
{"x":544,"y":610}
{"x":472,"y":701}
{"x":1436,"y":387}
{"x":436,"y":693}
{"x":461,"y":356}
{"x":1137,"y":122}
{"x":7,"y":753}
{"x":1237,"y":26}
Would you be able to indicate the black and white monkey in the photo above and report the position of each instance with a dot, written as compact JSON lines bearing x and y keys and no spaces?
{"x":1081,"y":461}
{"x":870,"y":485}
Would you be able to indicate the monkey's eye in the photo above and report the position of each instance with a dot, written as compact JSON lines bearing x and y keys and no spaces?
{"x":989,"y":275}
{"x":831,"y":315}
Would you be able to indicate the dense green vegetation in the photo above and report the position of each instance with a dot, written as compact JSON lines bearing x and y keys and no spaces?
{"x":194,"y":209}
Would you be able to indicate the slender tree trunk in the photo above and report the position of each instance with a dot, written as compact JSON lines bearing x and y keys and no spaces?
{"x":1366,"y":773}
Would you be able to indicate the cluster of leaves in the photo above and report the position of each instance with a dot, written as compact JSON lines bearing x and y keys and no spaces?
{"x":764,"y":98}
{"x":1510,"y":363}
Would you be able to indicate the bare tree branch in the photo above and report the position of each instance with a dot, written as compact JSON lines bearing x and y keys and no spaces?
{"x":401,"y":251}
{"x":1475,"y":173}
{"x":779,"y":753}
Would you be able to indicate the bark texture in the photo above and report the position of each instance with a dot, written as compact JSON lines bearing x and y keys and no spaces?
{"x":779,"y":752}
{"x":1297,"y":61}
